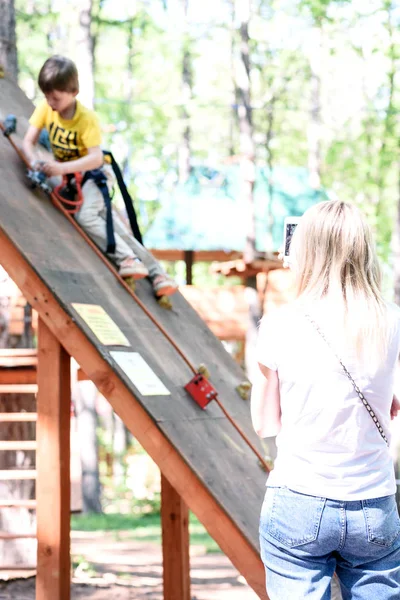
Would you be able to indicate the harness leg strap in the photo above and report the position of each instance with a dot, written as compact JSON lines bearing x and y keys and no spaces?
{"x":100,"y":180}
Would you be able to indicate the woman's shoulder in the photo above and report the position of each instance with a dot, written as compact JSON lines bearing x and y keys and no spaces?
{"x":393,"y":309}
{"x":280,"y":316}
{"x":393,"y":318}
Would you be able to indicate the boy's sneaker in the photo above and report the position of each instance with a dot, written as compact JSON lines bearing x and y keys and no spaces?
{"x":133,"y":267}
{"x":164,"y":286}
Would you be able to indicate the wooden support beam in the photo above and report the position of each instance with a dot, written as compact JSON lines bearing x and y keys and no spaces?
{"x":18,"y":361}
{"x":18,"y":388}
{"x":17,"y":503}
{"x":198,"y":255}
{"x":175,"y":543}
{"x":4,"y":535}
{"x":18,"y":352}
{"x":10,"y":417}
{"x":18,"y":445}
{"x":189,"y":261}
{"x":19,"y":375}
{"x":20,"y":474}
{"x":53,"y":463}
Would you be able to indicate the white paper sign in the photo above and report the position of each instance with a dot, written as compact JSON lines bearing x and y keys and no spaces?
{"x":139,"y":372}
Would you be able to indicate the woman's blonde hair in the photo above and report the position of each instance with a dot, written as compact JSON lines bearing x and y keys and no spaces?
{"x":334,"y":257}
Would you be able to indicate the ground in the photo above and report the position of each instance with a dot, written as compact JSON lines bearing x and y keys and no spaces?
{"x":130,"y":570}
{"x":109,"y":565}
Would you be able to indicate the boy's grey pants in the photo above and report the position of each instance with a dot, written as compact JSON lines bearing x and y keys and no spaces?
{"x":92,"y":218}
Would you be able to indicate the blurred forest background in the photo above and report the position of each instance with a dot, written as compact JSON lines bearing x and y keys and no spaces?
{"x":186,"y":84}
{"x":179,"y":83}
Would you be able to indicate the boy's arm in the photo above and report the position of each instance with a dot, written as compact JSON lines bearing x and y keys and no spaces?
{"x":30,"y":140}
{"x":93,"y":160}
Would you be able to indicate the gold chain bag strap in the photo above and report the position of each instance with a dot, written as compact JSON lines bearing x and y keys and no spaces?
{"x":357,"y":389}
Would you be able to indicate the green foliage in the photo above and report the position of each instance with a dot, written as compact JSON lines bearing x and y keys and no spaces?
{"x":144,"y":528}
{"x":138,"y":50}
{"x":319,"y":9}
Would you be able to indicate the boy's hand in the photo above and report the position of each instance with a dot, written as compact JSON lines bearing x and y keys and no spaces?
{"x":36,"y":165}
{"x":52,"y":168}
{"x":395,"y":407}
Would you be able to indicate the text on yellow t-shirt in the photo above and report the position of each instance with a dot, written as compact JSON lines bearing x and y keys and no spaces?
{"x":69,"y":138}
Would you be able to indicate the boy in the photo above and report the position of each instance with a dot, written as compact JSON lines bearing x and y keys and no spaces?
{"x":75,"y":139}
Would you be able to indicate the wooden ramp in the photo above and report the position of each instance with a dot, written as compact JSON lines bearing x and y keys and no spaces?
{"x":200,"y":454}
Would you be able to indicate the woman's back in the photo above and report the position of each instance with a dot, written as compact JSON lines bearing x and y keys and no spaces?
{"x":328,"y":444}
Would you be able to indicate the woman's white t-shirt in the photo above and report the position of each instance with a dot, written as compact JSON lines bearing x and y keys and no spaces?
{"x":328,"y":444}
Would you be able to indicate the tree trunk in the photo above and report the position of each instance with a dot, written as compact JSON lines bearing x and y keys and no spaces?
{"x":233,"y":112}
{"x":184,"y":150}
{"x":255,"y":314}
{"x":247,"y":167}
{"x":129,"y":87}
{"x":85,"y":396}
{"x":244,"y":112}
{"x":119,"y":449}
{"x":314,"y":126}
{"x":396,"y":245}
{"x":8,"y":38}
{"x":270,"y":162}
{"x":84,"y":55}
{"x":389,"y":144}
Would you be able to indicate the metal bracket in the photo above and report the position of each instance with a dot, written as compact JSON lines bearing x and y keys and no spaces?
{"x":201,"y":390}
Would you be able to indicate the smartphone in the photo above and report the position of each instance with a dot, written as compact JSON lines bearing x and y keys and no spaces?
{"x":290,"y":226}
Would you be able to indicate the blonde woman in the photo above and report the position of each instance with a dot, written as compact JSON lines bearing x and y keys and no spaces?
{"x":327,"y":364}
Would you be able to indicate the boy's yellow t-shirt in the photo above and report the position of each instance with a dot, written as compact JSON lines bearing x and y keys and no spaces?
{"x":69,"y":138}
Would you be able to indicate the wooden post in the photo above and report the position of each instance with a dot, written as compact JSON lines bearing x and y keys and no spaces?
{"x":189,"y":260}
{"x":53,"y":468}
{"x":175,"y":541}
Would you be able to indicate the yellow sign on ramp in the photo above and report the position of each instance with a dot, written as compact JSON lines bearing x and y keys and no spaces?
{"x":102,"y":325}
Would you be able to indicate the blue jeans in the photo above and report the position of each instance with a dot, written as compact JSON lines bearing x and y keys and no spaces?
{"x":305,"y":539}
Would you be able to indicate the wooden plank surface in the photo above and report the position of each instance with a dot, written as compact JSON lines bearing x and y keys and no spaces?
{"x":214,"y":471}
{"x":53,"y":456}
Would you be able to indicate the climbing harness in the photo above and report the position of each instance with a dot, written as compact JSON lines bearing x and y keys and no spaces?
{"x":199,"y":388}
{"x":99,"y":178}
{"x":130,"y":210}
{"x":69,"y":192}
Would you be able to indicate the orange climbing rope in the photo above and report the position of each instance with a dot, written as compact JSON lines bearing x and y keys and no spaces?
{"x":70,"y":218}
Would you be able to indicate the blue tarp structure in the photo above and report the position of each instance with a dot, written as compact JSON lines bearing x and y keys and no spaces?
{"x":207,"y":212}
